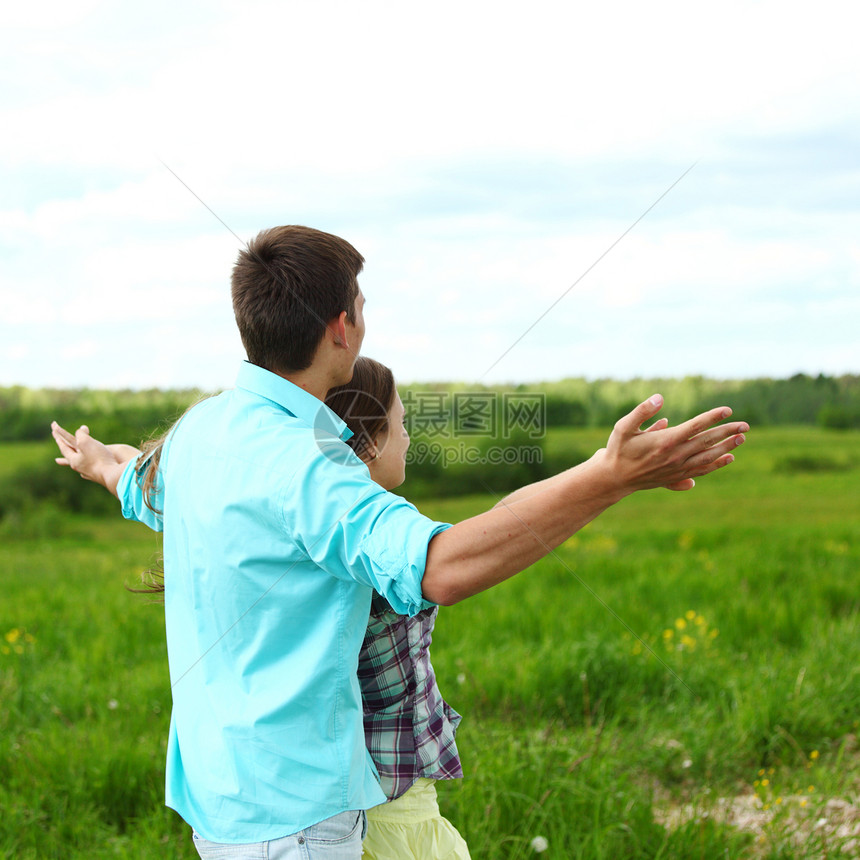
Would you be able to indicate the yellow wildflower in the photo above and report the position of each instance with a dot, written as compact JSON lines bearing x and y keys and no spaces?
{"x":680,"y":623}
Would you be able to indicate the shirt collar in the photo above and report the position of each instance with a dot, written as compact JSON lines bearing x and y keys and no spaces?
{"x":298,"y":402}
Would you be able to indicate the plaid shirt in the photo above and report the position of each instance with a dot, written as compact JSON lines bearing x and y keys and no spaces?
{"x":408,"y":727}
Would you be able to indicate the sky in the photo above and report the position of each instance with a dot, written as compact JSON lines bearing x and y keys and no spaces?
{"x":541,"y":190}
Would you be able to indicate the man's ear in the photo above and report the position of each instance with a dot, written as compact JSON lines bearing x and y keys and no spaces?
{"x":337,"y":329}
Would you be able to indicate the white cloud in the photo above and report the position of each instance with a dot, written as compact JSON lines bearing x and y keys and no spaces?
{"x":48,"y":16}
{"x":481,"y":157}
{"x":340,"y":84}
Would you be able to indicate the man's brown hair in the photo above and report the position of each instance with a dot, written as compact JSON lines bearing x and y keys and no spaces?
{"x":287,"y":284}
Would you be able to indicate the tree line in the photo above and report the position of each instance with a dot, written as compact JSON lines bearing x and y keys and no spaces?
{"x":465,"y":438}
{"x":132,"y":416}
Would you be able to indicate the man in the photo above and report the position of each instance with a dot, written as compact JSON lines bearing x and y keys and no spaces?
{"x":275,"y":537}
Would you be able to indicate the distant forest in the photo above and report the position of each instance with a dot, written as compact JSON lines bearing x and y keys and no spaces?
{"x":132,"y":416}
{"x":457,"y":447}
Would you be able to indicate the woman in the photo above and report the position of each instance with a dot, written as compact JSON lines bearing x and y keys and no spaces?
{"x":409,"y":729}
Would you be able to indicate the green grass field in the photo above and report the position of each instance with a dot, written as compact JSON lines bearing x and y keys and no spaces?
{"x":679,"y":680}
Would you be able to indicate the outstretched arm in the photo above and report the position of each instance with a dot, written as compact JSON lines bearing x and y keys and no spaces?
{"x":482,"y":551}
{"x":91,"y":459}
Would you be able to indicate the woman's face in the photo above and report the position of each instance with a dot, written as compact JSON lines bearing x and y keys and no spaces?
{"x":388,"y":468}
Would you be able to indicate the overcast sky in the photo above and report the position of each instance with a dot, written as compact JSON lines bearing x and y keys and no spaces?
{"x":488,"y":159}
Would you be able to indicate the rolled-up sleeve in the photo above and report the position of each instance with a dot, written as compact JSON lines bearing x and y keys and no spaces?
{"x":396,"y":570}
{"x":130,"y":493}
{"x":360,"y":531}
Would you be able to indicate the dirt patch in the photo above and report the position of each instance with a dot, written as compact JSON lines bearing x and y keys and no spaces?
{"x":830,"y":828}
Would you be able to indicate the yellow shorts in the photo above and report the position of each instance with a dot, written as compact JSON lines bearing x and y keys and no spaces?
{"x":411,"y":828}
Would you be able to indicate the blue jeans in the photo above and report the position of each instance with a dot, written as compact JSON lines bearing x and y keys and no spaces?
{"x":336,"y":838}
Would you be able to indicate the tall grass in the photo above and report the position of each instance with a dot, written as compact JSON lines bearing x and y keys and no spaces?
{"x":679,"y":680}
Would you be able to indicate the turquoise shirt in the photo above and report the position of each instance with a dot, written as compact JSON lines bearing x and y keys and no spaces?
{"x":275,"y":538}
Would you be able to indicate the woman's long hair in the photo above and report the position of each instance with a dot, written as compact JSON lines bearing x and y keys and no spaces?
{"x":364,"y":403}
